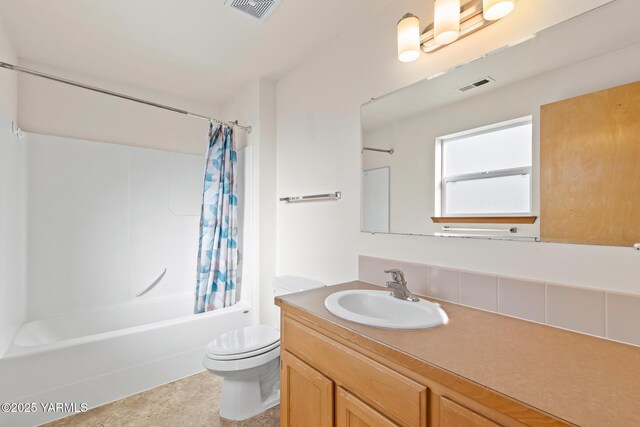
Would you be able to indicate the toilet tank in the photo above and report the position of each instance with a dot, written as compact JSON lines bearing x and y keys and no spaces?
{"x":283,"y":285}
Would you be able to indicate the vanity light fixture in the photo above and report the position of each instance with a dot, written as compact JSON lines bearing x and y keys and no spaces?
{"x":493,"y":10}
{"x":451,"y":22}
{"x":408,"y":38}
{"x":446,"y":22}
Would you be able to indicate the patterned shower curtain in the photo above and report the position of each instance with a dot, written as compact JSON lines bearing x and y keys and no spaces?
{"x":218,"y":250}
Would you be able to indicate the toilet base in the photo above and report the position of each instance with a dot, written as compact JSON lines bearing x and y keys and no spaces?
{"x":243,"y":398}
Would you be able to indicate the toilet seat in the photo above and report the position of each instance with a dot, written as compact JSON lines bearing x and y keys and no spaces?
{"x":237,"y":365}
{"x":243,"y":343}
{"x":214,"y":356}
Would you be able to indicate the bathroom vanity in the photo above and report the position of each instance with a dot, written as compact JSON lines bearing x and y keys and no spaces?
{"x":481,"y":369}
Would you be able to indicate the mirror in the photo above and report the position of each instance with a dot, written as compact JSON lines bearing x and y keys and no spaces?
{"x":460,"y":154}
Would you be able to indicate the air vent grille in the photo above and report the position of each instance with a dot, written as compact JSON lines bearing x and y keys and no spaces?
{"x":257,"y":9}
{"x":477,"y":83}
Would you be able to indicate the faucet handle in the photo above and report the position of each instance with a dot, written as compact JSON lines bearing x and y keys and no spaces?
{"x":396,"y":275}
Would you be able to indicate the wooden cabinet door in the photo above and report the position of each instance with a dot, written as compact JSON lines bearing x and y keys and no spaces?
{"x":306,"y":398}
{"x":399,"y":398}
{"x":453,"y":414}
{"x":352,"y":412}
{"x":589,"y":175}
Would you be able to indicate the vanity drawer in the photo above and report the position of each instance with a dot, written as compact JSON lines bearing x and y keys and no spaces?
{"x":399,"y":398}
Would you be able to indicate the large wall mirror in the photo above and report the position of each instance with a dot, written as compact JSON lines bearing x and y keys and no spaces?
{"x":536,"y":141}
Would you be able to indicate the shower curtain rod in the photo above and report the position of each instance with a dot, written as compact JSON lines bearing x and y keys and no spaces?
{"x":120,"y":95}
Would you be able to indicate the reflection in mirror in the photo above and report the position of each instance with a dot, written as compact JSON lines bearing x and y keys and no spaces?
{"x":466,"y":144}
{"x":375,"y":200}
{"x":486,"y":171}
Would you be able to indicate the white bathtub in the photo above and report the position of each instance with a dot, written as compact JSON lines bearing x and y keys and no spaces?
{"x":101,"y":355}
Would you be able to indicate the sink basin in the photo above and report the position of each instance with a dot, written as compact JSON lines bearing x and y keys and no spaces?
{"x":380,"y":309}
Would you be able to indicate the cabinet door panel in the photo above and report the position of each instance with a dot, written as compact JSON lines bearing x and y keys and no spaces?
{"x":589,"y":173}
{"x":401,"y":399}
{"x":306,"y":395}
{"x":352,"y":412}
{"x":455,"y":415}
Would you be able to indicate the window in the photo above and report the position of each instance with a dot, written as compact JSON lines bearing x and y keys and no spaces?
{"x":487,"y":171}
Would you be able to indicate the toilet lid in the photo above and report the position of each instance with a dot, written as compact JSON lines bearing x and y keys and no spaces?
{"x":247,"y":355}
{"x":244,"y":340}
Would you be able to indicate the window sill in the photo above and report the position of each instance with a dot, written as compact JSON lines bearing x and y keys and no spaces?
{"x":485,"y":219}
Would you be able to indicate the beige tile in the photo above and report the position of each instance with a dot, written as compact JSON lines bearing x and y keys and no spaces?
{"x":444,"y":284}
{"x":368,"y":269}
{"x":578,"y":309}
{"x":623,"y":317}
{"x":416,"y":277}
{"x":414,"y":274}
{"x":479,"y":290}
{"x":521,"y":298}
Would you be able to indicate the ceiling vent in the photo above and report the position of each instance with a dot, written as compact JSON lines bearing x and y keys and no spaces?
{"x":478,"y":83}
{"x":257,"y":9}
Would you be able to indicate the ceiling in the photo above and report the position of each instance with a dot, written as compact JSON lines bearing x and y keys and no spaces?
{"x":192,"y":49}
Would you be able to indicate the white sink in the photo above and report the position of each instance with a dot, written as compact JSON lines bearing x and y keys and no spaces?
{"x":380,"y":309}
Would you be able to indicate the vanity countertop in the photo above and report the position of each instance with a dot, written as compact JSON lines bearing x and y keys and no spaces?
{"x":578,"y":378}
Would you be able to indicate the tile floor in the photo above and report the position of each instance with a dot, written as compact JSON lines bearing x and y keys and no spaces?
{"x":189,"y":402}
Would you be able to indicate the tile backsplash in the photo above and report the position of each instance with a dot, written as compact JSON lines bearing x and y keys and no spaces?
{"x":521,"y":298}
{"x":479,"y":290}
{"x":606,"y":314}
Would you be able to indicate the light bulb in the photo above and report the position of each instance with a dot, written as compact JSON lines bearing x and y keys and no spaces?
{"x":446,"y":21}
{"x":408,"y":38}
{"x":492,"y":10}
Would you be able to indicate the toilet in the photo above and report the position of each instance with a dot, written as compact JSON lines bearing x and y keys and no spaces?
{"x":248,"y":360}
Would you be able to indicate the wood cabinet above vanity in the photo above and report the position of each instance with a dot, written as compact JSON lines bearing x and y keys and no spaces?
{"x":482,"y":369}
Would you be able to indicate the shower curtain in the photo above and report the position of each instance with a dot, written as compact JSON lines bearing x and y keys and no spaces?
{"x":218,"y":249}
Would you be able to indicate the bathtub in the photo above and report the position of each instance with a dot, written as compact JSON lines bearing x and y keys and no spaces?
{"x":101,"y":355}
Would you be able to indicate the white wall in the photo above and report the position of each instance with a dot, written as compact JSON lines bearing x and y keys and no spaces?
{"x":105,"y":220}
{"x":255,"y":106}
{"x":52,"y":108}
{"x":12,"y":273}
{"x":318,"y":151}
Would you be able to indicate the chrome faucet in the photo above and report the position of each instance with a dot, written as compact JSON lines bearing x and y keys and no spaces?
{"x":399,"y":286}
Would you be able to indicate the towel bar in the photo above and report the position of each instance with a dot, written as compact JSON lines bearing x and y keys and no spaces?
{"x":497,"y":230}
{"x":328,"y":196}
